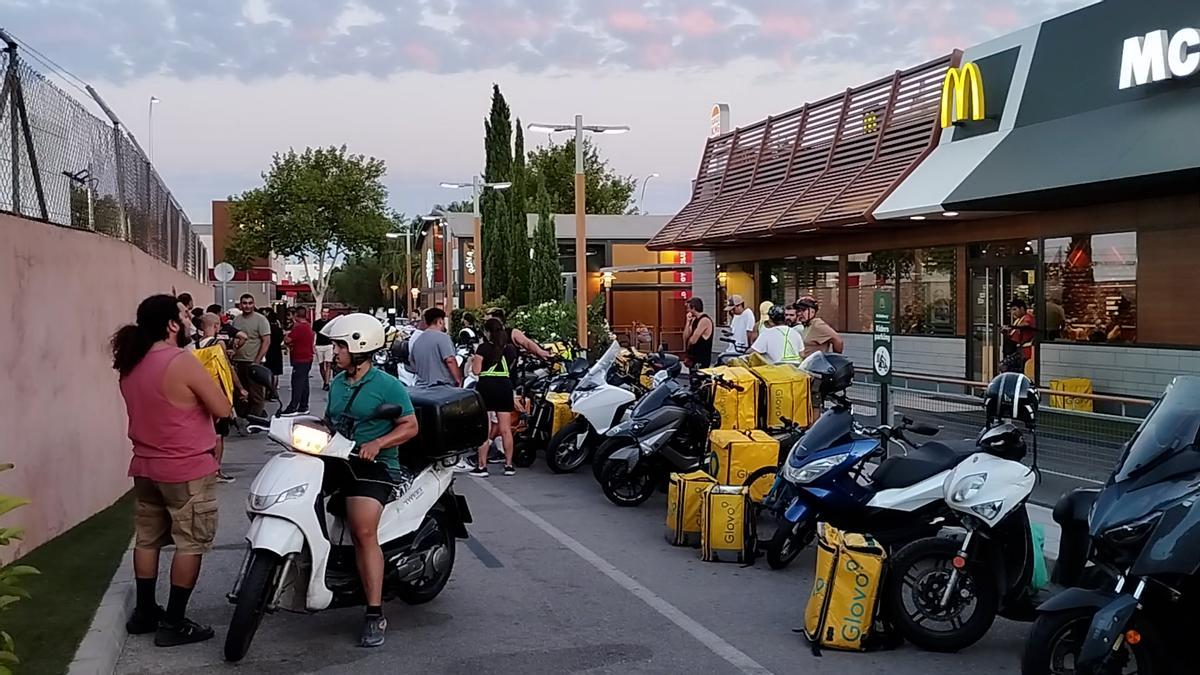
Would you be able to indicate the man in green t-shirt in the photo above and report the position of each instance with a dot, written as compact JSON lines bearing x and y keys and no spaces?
{"x":258,"y":338}
{"x":376,"y":476}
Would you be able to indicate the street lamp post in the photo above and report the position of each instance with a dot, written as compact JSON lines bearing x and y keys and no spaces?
{"x":407,"y":234}
{"x":395,"y":305}
{"x":580,"y":216}
{"x":477,"y":186}
{"x":642,"y":199}
{"x":150,"y":131}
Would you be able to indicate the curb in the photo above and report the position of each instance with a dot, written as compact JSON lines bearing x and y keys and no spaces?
{"x":105,"y":638}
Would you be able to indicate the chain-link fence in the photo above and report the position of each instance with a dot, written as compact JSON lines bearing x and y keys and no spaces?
{"x":61,"y":164}
{"x":1074,"y":444}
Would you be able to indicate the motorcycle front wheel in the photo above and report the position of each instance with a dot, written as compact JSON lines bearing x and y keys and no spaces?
{"x":255,"y":592}
{"x":438,"y":544}
{"x":568,"y":450}
{"x":607,"y":448}
{"x":789,"y":540}
{"x":625,"y":487}
{"x":1056,"y":639}
{"x":919,"y":575}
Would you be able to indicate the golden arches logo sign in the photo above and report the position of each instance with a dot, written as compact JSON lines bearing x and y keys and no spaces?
{"x":962,"y":95}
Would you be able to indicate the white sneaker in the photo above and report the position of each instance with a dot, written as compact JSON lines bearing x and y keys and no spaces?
{"x":463,"y":466}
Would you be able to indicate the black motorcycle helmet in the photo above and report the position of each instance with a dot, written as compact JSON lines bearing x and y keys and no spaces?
{"x":1011,"y":396}
{"x":831,"y":373}
{"x":776,"y":315}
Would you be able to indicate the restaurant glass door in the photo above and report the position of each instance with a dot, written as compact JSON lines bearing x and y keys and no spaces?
{"x":999,"y":273}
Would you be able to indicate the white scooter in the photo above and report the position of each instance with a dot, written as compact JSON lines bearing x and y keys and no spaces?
{"x":598,"y":405}
{"x":300,"y":555}
{"x":947,"y":591}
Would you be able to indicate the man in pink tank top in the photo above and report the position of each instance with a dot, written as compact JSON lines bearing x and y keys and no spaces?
{"x":171,"y":401}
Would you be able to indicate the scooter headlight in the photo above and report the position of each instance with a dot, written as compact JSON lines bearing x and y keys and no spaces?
{"x":967,"y":487}
{"x":813,"y":470}
{"x":988,"y":510}
{"x":263,"y":502}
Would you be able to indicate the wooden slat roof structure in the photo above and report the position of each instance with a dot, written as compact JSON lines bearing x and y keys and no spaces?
{"x":825,"y":164}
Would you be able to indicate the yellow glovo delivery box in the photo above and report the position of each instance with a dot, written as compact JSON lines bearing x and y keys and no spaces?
{"x":845,"y":593}
{"x":726,"y":533}
{"x":685,"y":496}
{"x":737,"y":454}
{"x":562,"y":410}
{"x":785,"y":394}
{"x":738,"y":409}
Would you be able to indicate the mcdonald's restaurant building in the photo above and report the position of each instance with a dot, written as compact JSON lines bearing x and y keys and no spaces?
{"x":1059,"y":165}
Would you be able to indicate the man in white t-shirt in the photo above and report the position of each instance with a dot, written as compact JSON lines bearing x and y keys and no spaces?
{"x":779,"y":343}
{"x":741,"y":322}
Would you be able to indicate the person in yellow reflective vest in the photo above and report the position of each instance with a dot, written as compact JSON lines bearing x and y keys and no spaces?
{"x":493,"y":362}
{"x":779,"y":343}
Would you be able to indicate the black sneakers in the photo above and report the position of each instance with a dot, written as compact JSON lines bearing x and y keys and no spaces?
{"x":141,"y":623}
{"x":185,"y":632}
{"x":373,"y":631}
{"x":509,"y":470}
{"x":479,"y":472}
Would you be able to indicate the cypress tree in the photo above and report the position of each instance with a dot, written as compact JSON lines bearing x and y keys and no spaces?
{"x":545,"y":284}
{"x":518,"y":234}
{"x":497,"y":146}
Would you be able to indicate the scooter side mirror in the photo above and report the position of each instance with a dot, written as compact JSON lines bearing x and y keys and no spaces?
{"x":261,"y":375}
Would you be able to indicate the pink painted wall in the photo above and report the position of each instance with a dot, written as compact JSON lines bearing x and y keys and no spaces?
{"x":62,"y":420}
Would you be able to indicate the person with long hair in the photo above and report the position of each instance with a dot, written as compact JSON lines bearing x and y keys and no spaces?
{"x":171,"y":403}
{"x":494,"y":362}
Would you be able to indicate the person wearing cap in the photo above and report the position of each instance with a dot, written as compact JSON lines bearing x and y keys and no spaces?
{"x":741,"y":323}
{"x":818,"y":335}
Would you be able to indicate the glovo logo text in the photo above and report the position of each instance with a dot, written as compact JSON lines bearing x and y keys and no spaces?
{"x":962,"y":95}
{"x":729,"y":534}
{"x":853,"y":624}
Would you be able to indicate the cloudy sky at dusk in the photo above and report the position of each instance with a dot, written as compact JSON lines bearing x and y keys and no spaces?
{"x":409,"y":80}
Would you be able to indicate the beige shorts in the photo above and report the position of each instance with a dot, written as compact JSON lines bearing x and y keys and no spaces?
{"x":324,"y":353}
{"x":184,"y":514}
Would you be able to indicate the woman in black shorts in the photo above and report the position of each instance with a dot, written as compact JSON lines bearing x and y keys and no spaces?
{"x":493,"y":363}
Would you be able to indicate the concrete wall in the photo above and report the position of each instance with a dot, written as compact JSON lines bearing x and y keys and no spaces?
{"x":63,"y":293}
{"x":1118,"y":369}
{"x":944,"y":357}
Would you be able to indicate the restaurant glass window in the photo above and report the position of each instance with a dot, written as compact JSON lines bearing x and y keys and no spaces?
{"x":867,"y":273}
{"x":784,"y":281}
{"x":928,"y":283}
{"x":1091,"y":288}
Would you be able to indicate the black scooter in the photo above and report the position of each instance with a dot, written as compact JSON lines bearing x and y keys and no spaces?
{"x":1144,"y":526}
{"x":666,"y":432}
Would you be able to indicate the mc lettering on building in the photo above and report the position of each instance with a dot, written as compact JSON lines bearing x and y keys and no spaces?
{"x":962,"y":95}
{"x":1158,"y":56}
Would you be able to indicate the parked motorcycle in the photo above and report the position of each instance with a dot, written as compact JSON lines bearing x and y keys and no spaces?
{"x":945,"y":592}
{"x":299,"y":554}
{"x":535,"y":421}
{"x":1144,"y":526}
{"x":825,"y":477}
{"x":598,"y":404}
{"x":668,"y":431}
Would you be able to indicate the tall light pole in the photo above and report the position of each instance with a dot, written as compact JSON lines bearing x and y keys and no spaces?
{"x":581,"y":302}
{"x":395,"y":305}
{"x":407,"y":234}
{"x":150,"y":134}
{"x":642,"y":199}
{"x":477,"y":186}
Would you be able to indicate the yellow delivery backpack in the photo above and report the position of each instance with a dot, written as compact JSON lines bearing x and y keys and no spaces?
{"x":738,"y":409}
{"x":784,"y":394}
{"x":562,"y":415}
{"x":685,"y":498}
{"x":727,"y":532}
{"x":841,"y":610}
{"x":737,"y":454}
{"x":214,"y":361}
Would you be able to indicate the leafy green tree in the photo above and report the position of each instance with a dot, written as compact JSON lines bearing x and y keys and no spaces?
{"x":497,"y":146}
{"x":317,"y":207}
{"x":357,"y":282}
{"x":518,"y":234}
{"x":461,"y":206}
{"x":10,"y":578}
{"x":545,"y":275}
{"x":607,"y":192}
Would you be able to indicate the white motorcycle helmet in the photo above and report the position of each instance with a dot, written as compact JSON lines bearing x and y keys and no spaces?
{"x":362,"y":333}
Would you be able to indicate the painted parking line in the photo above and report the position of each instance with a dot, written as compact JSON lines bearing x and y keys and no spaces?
{"x":737,"y":658}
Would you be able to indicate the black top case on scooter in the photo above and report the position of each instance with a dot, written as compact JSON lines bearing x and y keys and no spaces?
{"x":451,"y":421}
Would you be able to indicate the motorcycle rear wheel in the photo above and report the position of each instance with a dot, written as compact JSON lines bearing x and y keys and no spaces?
{"x":624,"y":487}
{"x":566,"y":452}
{"x":423,"y":590}
{"x":256,"y":591}
{"x":1058,"y":636}
{"x":924,"y":589}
